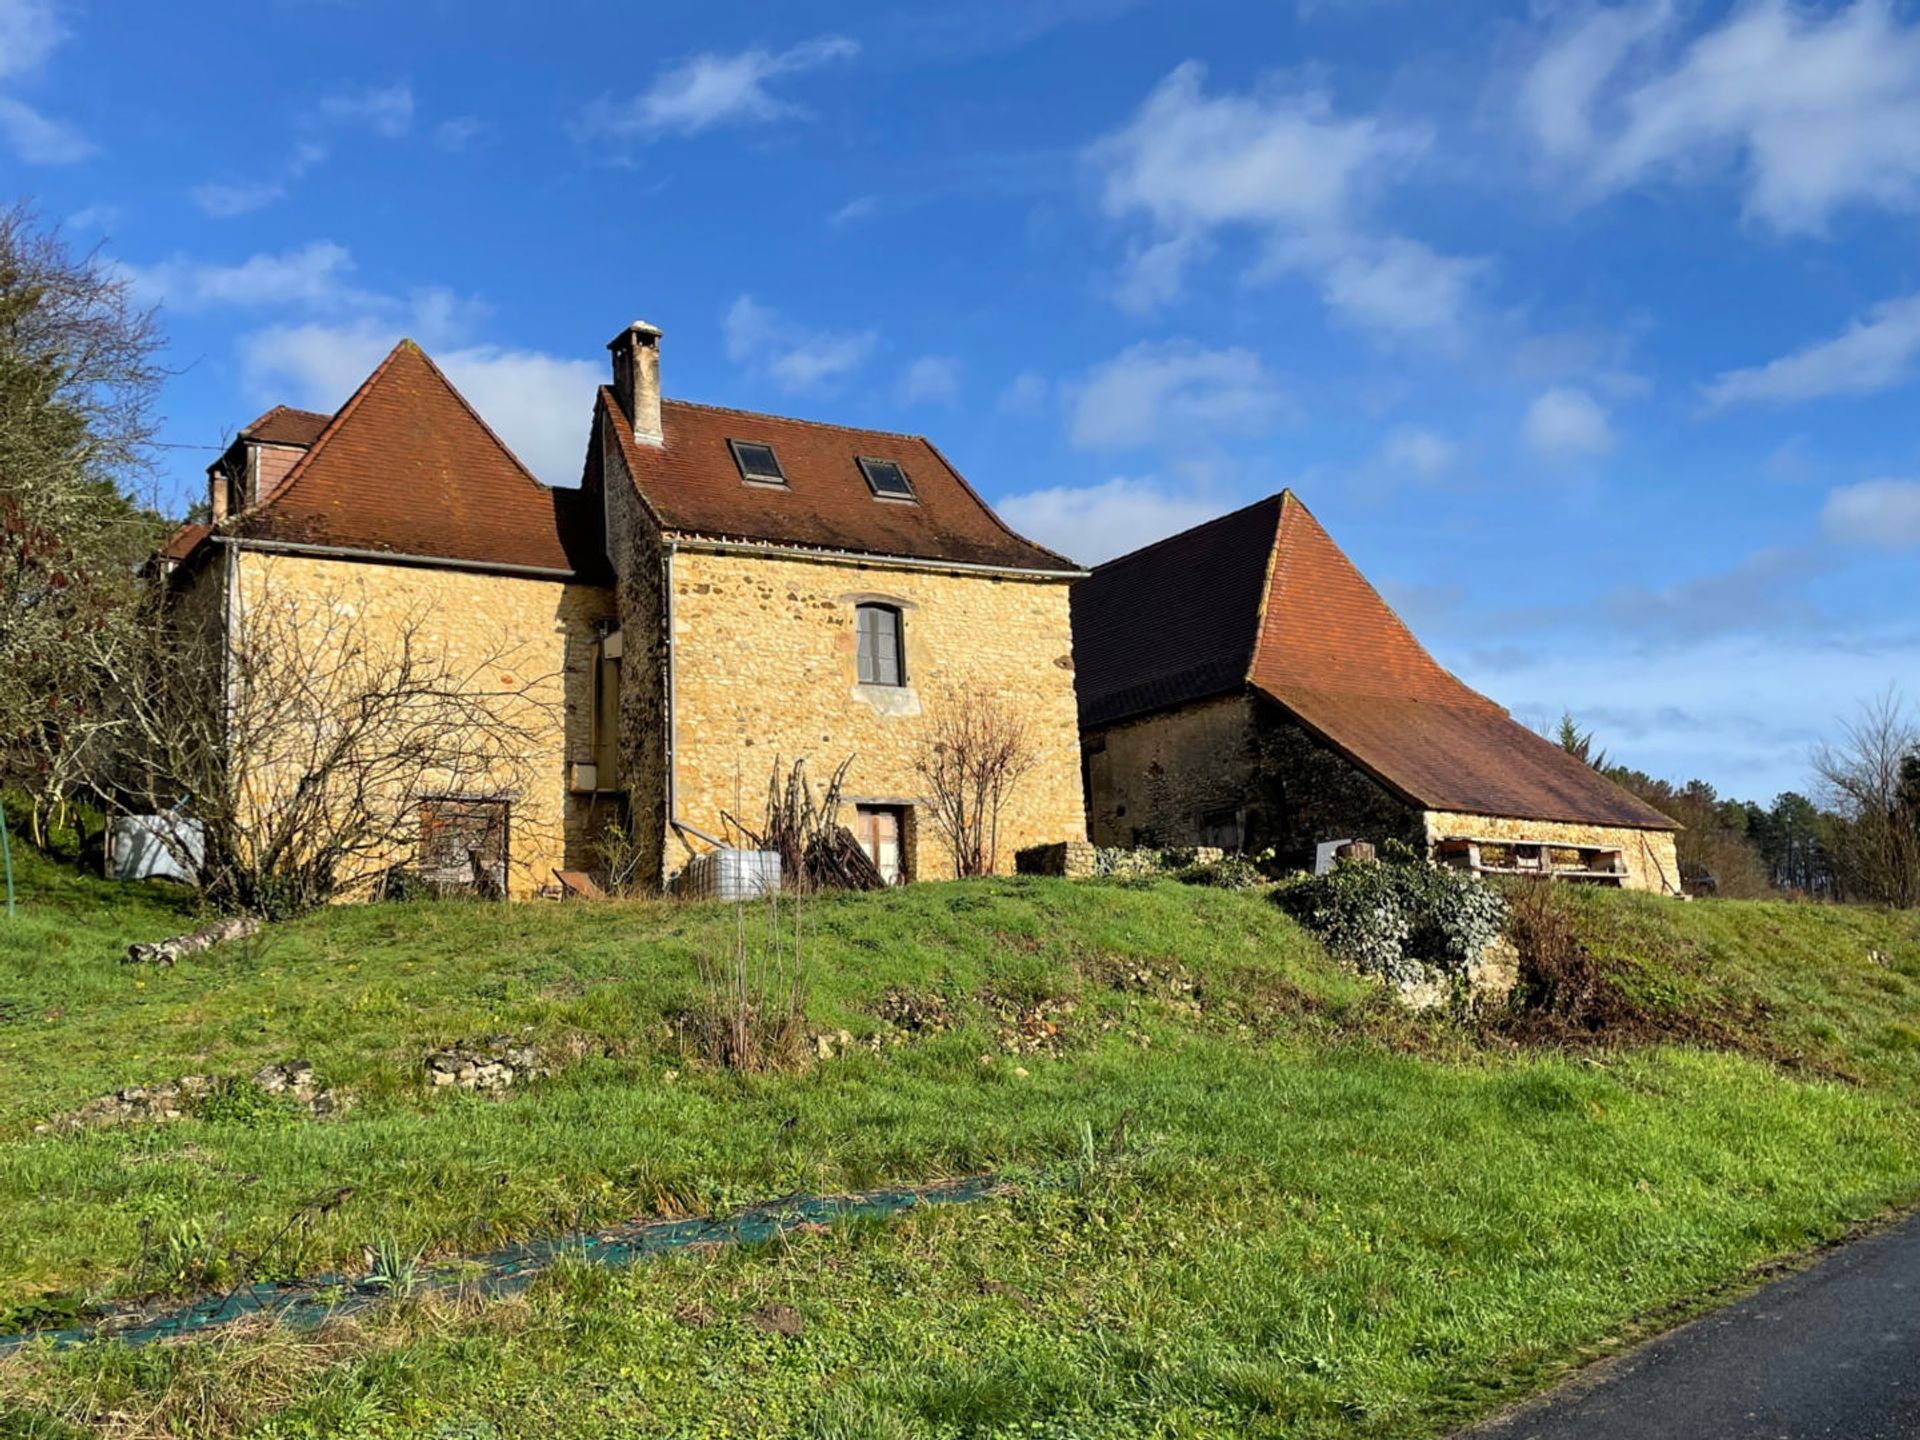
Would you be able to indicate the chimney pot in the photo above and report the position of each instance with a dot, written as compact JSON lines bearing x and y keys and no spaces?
{"x":636,"y":378}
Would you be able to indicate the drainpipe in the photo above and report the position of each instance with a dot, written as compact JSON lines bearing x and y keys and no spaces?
{"x":674,"y":822}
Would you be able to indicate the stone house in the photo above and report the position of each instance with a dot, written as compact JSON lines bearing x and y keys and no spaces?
{"x":1242,"y":685}
{"x":725,"y":590}
{"x":787,"y":588}
{"x":404,"y":509}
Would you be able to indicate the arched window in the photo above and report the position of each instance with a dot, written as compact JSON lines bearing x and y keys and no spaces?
{"x":882,"y":657}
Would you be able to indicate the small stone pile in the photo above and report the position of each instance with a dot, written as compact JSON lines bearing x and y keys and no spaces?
{"x":295,"y":1078}
{"x":491,"y":1064}
{"x":177,"y":1099}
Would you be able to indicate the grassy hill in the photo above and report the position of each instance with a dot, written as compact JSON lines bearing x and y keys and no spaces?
{"x":1246,"y":1195}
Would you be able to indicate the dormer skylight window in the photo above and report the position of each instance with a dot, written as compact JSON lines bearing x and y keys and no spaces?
{"x":886,"y":479}
{"x":758,"y":464}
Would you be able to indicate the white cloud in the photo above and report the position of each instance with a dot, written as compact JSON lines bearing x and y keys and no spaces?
{"x":385,"y":110}
{"x":710,"y":90}
{"x":1566,"y":422}
{"x":1398,"y":286}
{"x":29,"y":34}
{"x":1026,"y":394}
{"x":315,"y":274}
{"x":30,"y":31}
{"x":538,"y":403}
{"x":930,"y":380}
{"x":861,"y":207}
{"x":1425,"y":453}
{"x":1158,"y":391}
{"x":795,"y":357}
{"x":1881,"y":513}
{"x":223,"y":202}
{"x":459,"y":132}
{"x":1094,"y":523}
{"x":1810,"y":108}
{"x":40,"y":139}
{"x":1872,"y":354}
{"x":1283,"y":167}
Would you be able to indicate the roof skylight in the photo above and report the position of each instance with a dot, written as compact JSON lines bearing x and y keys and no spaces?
{"x":886,"y":479}
{"x":758,"y":464}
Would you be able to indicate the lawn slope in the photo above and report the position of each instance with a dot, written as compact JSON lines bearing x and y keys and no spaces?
{"x":1246,"y":1195}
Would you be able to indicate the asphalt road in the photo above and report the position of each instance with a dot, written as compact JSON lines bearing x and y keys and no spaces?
{"x":1833,"y":1350}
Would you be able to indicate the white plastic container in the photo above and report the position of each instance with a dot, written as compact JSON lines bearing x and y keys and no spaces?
{"x":152,"y":847}
{"x":731,"y":875}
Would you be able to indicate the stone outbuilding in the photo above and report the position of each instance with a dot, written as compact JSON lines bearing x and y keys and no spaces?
{"x":1242,"y":685}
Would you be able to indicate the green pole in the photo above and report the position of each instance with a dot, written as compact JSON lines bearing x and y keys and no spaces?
{"x":6,"y":859}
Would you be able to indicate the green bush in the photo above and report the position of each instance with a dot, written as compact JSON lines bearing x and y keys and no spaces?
{"x":1229,"y":872}
{"x":1400,"y":917}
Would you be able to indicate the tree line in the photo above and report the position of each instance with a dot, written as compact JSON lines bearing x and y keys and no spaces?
{"x":1855,"y":837}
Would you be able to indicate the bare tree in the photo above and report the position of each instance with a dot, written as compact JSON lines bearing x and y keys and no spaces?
{"x":1865,"y":777}
{"x":972,"y":760}
{"x":307,"y":750}
{"x":77,"y":383}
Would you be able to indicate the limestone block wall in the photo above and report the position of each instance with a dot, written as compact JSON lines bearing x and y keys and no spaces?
{"x":639,"y":557}
{"x":1651,"y":862}
{"x":765,"y":668}
{"x":1153,"y":780}
{"x":534,"y":633}
{"x":1312,"y":792}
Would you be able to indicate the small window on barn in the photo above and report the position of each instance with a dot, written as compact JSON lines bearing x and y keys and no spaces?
{"x":758,"y":464}
{"x":881,"y":659}
{"x":886,"y":479}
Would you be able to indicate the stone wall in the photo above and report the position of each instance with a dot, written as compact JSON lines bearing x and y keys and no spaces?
{"x":1312,"y":793}
{"x":536,"y":633}
{"x":1651,"y":863}
{"x":765,"y":669}
{"x":1156,"y":780}
{"x":639,"y":559}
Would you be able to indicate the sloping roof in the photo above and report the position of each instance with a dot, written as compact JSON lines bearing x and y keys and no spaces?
{"x":1322,"y":643}
{"x":184,"y":541}
{"x":283,"y":425}
{"x":693,"y":487}
{"x":1174,"y":622}
{"x":408,"y":468}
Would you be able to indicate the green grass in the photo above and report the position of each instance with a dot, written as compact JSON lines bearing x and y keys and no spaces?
{"x":1305,"y":1214}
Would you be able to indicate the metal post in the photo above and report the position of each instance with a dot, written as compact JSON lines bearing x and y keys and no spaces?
{"x":6,"y":859}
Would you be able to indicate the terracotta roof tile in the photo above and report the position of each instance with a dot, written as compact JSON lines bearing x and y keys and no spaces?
{"x":1164,"y":624}
{"x":184,"y":541}
{"x":693,"y":487}
{"x":408,"y":468}
{"x":283,"y":425}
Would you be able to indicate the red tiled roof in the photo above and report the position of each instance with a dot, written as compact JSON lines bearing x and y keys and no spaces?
{"x":283,"y":425}
{"x":693,"y":487}
{"x":408,"y":468}
{"x":1321,"y":642}
{"x":184,"y":541}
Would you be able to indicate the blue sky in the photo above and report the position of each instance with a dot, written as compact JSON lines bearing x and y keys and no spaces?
{"x":1590,"y":331}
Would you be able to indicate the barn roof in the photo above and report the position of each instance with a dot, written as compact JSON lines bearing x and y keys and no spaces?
{"x":1264,"y":598}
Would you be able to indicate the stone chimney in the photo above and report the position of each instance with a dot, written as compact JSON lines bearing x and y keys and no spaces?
{"x":636,"y":378}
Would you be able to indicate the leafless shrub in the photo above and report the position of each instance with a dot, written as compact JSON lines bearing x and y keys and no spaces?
{"x":972,"y":759}
{"x":752,"y":1009}
{"x":617,"y":854}
{"x":304,"y":749}
{"x":1872,"y":781}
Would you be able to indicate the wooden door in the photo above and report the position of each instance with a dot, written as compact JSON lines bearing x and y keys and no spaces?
{"x":879,"y":831}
